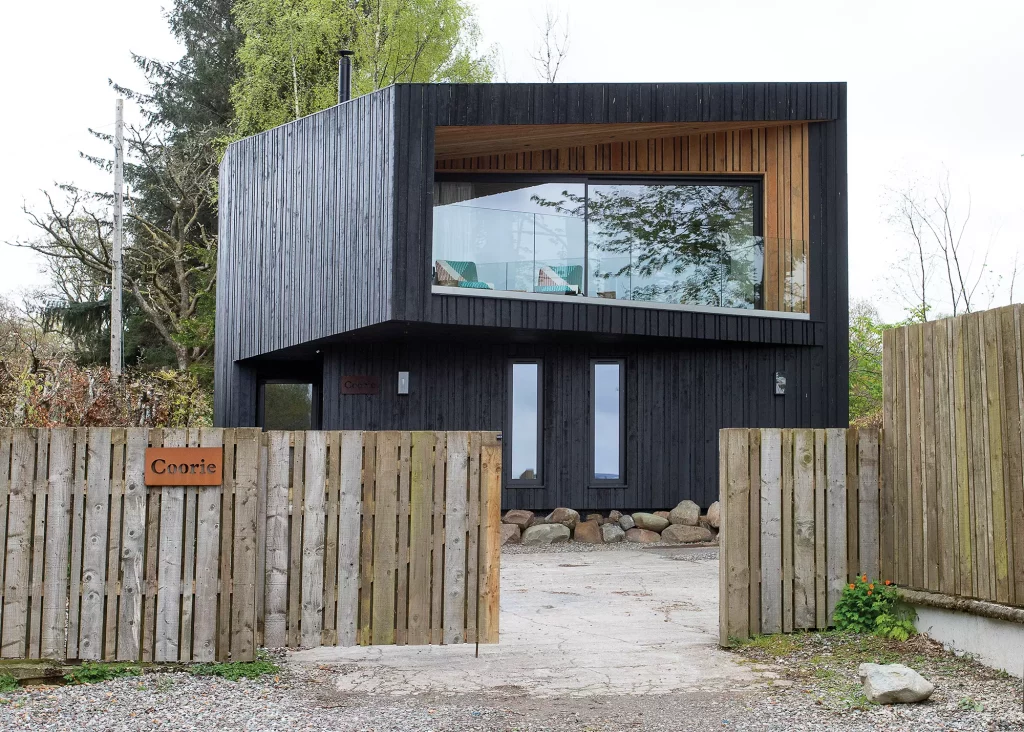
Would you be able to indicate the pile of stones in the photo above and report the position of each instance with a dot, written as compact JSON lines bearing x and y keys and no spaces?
{"x":684,"y":524}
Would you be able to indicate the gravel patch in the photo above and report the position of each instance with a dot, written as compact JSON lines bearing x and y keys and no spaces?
{"x":814,"y":688}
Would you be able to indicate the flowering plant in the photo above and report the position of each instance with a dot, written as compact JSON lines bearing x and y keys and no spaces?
{"x":873,"y":607}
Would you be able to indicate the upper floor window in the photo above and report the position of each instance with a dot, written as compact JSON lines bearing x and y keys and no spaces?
{"x":677,"y":242}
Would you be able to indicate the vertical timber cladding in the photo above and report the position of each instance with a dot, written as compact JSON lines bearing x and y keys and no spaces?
{"x":779,"y":153}
{"x":97,"y":565}
{"x":953,"y":506}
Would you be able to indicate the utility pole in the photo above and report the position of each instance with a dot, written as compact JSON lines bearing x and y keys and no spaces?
{"x":115,"y":270}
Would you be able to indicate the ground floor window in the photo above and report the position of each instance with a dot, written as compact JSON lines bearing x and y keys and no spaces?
{"x":287,"y":405}
{"x":607,"y":420}
{"x":525,"y":422}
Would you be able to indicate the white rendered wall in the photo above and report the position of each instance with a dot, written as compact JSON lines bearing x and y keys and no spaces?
{"x":996,"y":643}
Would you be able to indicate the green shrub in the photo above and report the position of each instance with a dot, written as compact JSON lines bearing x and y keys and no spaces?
{"x":7,"y":682}
{"x":873,"y":607}
{"x":93,"y":673}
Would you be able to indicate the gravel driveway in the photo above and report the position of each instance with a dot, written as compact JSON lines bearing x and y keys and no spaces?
{"x":632,"y":644}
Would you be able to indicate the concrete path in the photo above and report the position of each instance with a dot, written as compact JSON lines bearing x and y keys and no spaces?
{"x":572,"y":624}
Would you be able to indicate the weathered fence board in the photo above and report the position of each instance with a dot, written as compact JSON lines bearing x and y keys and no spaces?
{"x":952,"y":503}
{"x":787,"y":498}
{"x":313,"y":538}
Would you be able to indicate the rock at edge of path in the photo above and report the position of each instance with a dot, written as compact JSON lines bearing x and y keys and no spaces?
{"x":519,"y":517}
{"x":612,"y":533}
{"x":894,"y":683}
{"x":686,"y":513}
{"x":588,"y":532}
{"x":546,"y":534}
{"x":509,"y":534}
{"x":564,"y":516}
{"x":642,"y":536}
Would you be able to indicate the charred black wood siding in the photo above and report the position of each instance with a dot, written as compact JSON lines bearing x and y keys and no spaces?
{"x":326,"y":228}
{"x":678,"y":396}
{"x":306,"y":238}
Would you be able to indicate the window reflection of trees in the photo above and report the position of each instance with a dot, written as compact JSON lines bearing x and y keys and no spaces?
{"x":690,"y":244}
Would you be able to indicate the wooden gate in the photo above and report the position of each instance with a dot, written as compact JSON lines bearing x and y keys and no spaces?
{"x":312,"y":538}
{"x":799,"y":520}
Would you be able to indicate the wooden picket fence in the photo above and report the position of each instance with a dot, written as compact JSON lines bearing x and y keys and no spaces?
{"x":799,"y":519}
{"x":953,"y":420}
{"x":313,"y":538}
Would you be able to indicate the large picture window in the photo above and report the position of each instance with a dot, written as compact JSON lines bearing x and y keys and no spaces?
{"x":525,"y":427}
{"x":607,"y":422}
{"x":683,"y":242}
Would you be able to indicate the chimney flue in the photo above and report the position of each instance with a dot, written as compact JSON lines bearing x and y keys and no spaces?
{"x":345,"y":76}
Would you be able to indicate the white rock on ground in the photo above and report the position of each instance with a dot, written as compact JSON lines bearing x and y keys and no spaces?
{"x":894,"y":683}
{"x":546,"y":534}
{"x":686,"y":513}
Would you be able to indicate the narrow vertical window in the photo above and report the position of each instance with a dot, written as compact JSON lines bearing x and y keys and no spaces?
{"x":607,"y":416}
{"x":525,"y":427}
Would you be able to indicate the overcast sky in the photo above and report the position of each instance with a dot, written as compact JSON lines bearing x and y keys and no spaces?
{"x":933,"y":86}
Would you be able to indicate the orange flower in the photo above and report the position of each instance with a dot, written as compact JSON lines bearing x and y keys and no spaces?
{"x":871,"y":586}
{"x":888,"y":582}
{"x":852,"y":587}
{"x":869,"y":592}
{"x":864,"y":578}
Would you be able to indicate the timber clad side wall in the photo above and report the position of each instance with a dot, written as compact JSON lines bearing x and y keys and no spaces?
{"x":799,"y":520}
{"x":306,"y":235}
{"x":332,"y":538}
{"x":953,"y":507}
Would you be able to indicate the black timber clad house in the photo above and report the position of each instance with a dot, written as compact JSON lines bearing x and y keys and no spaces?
{"x":637,"y":262}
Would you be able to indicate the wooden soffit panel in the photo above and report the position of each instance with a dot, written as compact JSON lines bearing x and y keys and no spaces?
{"x":466,"y":141}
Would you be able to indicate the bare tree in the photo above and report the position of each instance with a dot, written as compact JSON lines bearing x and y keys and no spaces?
{"x":553,"y":46}
{"x":171,"y":258}
{"x":937,"y":229}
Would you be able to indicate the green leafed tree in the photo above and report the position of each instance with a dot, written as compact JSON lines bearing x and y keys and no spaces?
{"x":289,"y":57}
{"x":866,"y":328}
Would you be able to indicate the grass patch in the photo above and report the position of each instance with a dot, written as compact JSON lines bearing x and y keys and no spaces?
{"x":262,"y":666}
{"x":7,"y":682}
{"x":771,"y":645}
{"x":94,"y":673}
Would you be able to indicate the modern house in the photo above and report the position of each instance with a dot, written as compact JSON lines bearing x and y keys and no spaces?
{"x":606,"y":273}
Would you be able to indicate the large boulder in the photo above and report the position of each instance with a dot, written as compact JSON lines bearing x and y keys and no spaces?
{"x":893,"y":683}
{"x":626,"y":522}
{"x":509,"y":534}
{"x":612,"y":533}
{"x":614,"y":516}
{"x":649,"y":521}
{"x":519,"y":517}
{"x":546,"y":534}
{"x":683,"y":534}
{"x":662,"y":514}
{"x":642,"y":536}
{"x":715,"y":515}
{"x":687,"y":513}
{"x":564,"y":516}
{"x":595,"y":517}
{"x":588,"y":532}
